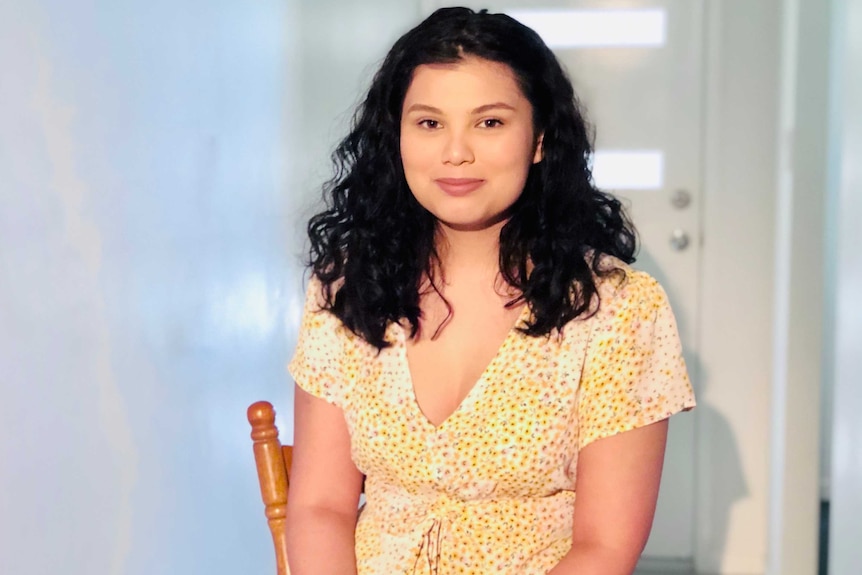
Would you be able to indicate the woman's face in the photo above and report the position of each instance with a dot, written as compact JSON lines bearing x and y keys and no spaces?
{"x":467,"y":141}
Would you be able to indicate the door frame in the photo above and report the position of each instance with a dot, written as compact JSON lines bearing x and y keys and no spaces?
{"x":845,"y":320}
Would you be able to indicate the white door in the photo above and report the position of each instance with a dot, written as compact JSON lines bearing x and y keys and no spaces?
{"x":637,"y":66}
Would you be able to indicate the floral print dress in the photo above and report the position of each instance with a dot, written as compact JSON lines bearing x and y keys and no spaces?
{"x":492,"y":488}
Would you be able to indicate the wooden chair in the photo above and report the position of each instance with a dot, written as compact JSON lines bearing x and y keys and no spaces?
{"x":273,"y":471}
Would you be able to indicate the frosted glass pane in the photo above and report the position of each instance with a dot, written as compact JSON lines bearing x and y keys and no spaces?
{"x":595,"y":28}
{"x":628,"y":170}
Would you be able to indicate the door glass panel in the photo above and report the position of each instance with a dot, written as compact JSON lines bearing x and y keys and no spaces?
{"x":593,"y":28}
{"x":628,"y":170}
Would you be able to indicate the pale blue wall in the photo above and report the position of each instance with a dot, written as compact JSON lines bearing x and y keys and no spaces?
{"x":156,"y":159}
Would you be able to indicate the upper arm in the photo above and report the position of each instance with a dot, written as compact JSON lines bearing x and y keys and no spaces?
{"x":323,"y":475}
{"x":617,"y":487}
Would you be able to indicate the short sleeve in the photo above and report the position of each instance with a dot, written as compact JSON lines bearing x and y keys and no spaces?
{"x":634,"y":372}
{"x":317,"y":364}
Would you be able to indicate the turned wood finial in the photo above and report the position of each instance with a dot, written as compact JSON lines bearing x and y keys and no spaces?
{"x":261,"y":416}
{"x":272,"y":474}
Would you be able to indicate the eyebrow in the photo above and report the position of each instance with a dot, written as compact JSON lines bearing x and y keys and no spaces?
{"x":480,"y":110}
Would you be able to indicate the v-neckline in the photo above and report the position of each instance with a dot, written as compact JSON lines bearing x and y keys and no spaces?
{"x":477,"y":386}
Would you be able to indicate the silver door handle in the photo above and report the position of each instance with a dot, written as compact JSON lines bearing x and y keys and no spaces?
{"x":679,"y":240}
{"x":680,"y":199}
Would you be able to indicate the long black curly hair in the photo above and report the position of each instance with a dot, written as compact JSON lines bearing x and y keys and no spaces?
{"x":374,"y":244}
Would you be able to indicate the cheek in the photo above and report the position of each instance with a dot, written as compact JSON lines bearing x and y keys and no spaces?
{"x":527,"y":149}
{"x":417,"y":158}
{"x":513,"y":153}
{"x":409,"y":154}
{"x":404,"y":148}
{"x":414,"y":165}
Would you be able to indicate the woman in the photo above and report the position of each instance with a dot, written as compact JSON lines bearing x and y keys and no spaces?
{"x":474,"y":343}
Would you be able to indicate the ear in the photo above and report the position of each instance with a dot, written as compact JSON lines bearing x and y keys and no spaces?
{"x":538,"y":154}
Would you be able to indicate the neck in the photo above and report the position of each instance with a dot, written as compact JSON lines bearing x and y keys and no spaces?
{"x":474,"y":250}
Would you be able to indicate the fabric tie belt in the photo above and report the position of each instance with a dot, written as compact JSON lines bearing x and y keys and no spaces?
{"x":438,"y":516}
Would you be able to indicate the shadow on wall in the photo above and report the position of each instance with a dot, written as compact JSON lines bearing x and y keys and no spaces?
{"x":723,"y":482}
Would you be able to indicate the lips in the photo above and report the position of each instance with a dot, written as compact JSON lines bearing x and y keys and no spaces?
{"x":459,"y":186}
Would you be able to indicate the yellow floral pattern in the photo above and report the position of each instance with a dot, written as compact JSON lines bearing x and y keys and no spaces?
{"x":492,"y":488}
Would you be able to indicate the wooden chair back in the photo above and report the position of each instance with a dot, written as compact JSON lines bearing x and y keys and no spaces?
{"x":273,"y":473}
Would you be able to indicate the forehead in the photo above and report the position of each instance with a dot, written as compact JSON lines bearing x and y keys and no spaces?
{"x":469,"y":82}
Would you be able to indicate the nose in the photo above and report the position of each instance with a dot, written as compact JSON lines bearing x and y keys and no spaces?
{"x":458,"y":149}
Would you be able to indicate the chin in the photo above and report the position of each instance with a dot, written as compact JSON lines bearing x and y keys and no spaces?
{"x":471,"y":224}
